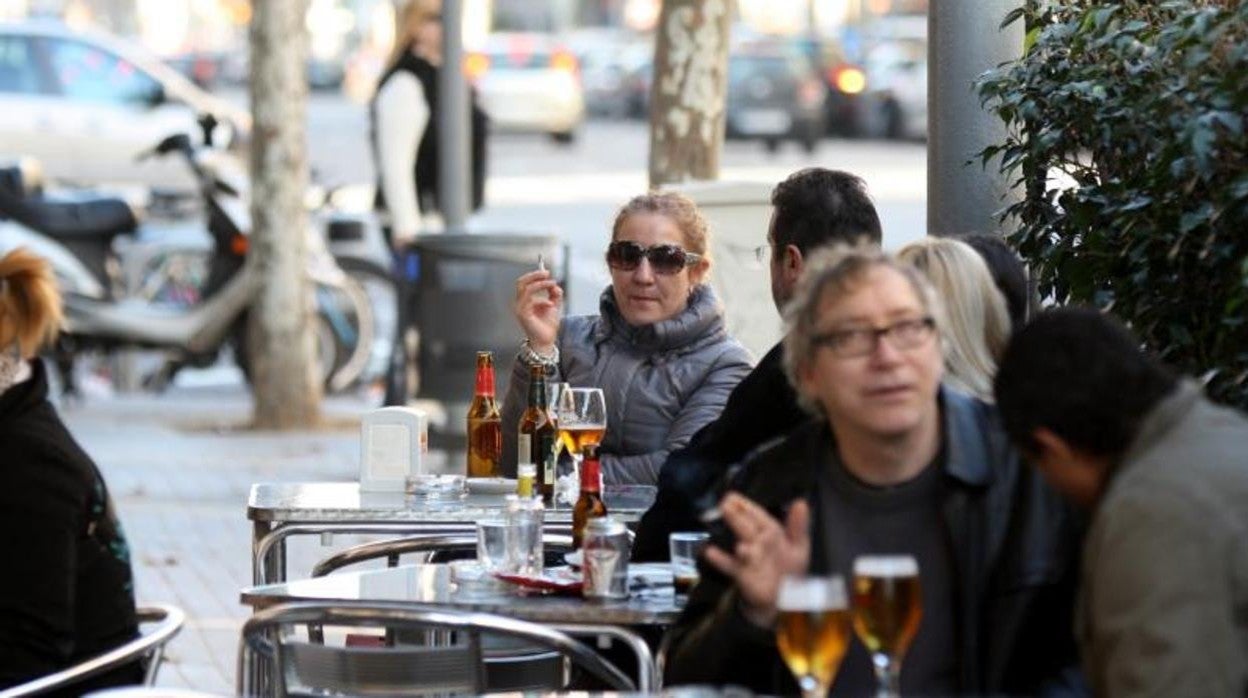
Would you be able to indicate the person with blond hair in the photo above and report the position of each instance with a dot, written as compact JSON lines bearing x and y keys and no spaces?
{"x":890,"y":462}
{"x":404,"y":117}
{"x":658,"y":347}
{"x":977,"y":323}
{"x":68,"y":593}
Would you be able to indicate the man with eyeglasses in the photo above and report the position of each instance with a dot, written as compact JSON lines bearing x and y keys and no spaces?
{"x":812,"y":208}
{"x":890,"y":464}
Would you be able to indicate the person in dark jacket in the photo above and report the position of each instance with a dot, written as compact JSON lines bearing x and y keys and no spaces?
{"x":1164,"y":586}
{"x":891,"y":464}
{"x":67,"y":593}
{"x":404,"y":118}
{"x":658,"y":348}
{"x":811,"y":208}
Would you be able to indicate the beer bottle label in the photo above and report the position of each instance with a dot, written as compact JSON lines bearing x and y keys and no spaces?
{"x":524,"y":449}
{"x":547,"y":455}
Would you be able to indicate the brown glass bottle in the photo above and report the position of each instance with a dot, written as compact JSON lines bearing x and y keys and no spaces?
{"x":589,"y":505}
{"x":536,"y":442}
{"x":485,"y":433}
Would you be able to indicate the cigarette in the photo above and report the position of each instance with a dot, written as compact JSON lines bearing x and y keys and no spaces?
{"x":541,"y":262}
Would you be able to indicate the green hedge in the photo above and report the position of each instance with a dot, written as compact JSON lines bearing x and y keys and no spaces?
{"x":1142,"y":105}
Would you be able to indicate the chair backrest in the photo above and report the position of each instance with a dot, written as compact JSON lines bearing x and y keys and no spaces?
{"x":168,"y":619}
{"x":402,"y":670}
{"x":434,"y":544}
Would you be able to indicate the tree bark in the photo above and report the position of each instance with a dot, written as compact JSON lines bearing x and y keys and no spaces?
{"x":687,"y":98}
{"x":281,"y":347}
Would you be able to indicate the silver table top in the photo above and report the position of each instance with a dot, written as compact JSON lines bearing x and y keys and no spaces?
{"x":339,"y":502}
{"x":430,"y":584}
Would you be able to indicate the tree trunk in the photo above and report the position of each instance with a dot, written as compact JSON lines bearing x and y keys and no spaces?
{"x":282,"y":357}
{"x":689,"y":92}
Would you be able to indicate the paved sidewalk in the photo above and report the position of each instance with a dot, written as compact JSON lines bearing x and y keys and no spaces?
{"x":179,"y":467}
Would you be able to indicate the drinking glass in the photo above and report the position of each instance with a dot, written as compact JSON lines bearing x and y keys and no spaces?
{"x":888,"y":606}
{"x":812,"y":630}
{"x":492,"y":549}
{"x":685,"y":547}
{"x":524,"y":535}
{"x":581,"y":415}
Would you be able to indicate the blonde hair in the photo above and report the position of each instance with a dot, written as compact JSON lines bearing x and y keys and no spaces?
{"x":411,"y":17}
{"x":680,"y":209}
{"x":837,"y":270}
{"x":30,"y":304}
{"x":978,"y":322}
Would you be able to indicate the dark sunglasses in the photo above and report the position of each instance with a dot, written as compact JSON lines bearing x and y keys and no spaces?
{"x":626,"y":255}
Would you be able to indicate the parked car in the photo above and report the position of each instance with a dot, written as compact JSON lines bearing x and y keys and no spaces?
{"x":529,"y":83}
{"x":894,"y":104}
{"x":85,"y":104}
{"x":774,"y":95}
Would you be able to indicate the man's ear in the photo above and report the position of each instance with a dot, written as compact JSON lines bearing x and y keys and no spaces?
{"x":1051,"y":446}
{"x":792,"y":262}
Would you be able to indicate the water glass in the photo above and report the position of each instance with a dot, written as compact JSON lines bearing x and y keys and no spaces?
{"x":685,"y":547}
{"x":525,"y":552}
{"x":492,"y":544}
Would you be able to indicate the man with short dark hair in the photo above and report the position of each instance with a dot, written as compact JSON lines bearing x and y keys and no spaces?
{"x":811,"y":208}
{"x":1164,"y":595}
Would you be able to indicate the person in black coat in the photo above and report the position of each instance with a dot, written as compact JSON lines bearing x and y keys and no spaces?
{"x":811,"y":208}
{"x":67,"y":593}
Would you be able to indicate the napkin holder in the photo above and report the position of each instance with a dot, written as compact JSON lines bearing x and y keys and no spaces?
{"x":393,"y":444}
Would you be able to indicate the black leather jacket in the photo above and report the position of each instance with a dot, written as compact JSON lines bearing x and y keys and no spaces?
{"x":1015,"y":547}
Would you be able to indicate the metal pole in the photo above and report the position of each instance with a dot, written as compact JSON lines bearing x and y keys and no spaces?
{"x":964,"y":40}
{"x":454,"y":166}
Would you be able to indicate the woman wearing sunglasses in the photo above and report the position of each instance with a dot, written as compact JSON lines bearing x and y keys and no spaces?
{"x":658,"y":347}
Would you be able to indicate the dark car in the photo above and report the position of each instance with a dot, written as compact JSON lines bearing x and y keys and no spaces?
{"x":774,"y":96}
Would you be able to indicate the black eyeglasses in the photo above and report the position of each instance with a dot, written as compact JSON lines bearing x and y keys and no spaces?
{"x":626,"y":255}
{"x":860,"y":341}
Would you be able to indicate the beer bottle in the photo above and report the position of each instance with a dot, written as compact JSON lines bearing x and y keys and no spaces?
{"x":485,"y":433}
{"x":589,"y":505}
{"x":536,"y":442}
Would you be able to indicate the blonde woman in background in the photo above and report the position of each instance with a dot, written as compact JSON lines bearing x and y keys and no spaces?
{"x":67,"y":593}
{"x":977,"y":326}
{"x":404,"y":118}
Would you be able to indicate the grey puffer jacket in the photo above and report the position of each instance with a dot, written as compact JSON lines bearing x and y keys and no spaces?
{"x":662,"y":382}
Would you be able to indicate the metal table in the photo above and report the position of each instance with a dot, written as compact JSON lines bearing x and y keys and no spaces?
{"x":430,"y":584}
{"x":278,"y":510}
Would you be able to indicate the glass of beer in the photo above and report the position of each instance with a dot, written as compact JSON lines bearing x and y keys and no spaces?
{"x":887,"y":609}
{"x":812,"y":630}
{"x":581,"y":415}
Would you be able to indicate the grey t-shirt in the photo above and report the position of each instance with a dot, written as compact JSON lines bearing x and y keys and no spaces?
{"x":861,"y":519}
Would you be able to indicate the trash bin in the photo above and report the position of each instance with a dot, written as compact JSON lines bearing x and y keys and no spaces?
{"x":465,"y":288}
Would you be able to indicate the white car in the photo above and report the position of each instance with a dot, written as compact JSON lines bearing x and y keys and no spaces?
{"x":85,"y":105}
{"x":529,"y":83}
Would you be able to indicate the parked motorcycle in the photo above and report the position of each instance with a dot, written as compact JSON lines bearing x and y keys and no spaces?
{"x":77,"y":237}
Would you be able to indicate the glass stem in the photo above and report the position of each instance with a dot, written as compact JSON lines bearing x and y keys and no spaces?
{"x":811,"y":688}
{"x":887,"y":675}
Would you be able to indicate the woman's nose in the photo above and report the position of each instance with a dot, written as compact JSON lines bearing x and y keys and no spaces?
{"x":644,"y":273}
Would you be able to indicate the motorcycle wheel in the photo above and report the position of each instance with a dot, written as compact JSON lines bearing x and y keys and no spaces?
{"x":383,"y":299}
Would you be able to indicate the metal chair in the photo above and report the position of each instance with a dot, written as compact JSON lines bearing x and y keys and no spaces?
{"x":169,"y":620}
{"x":434,"y":546}
{"x":403,"y":670}
{"x":502,"y":670}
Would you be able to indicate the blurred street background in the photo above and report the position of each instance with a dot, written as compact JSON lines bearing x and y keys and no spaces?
{"x":86,"y":85}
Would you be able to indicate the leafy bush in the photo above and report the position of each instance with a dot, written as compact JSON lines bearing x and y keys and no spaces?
{"x":1126,"y":128}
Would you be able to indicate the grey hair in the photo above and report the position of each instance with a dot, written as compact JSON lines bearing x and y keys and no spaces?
{"x":837,"y":270}
{"x":977,"y":326}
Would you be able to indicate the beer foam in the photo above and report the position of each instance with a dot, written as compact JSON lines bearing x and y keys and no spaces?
{"x":886,"y":566}
{"x":812,"y":594}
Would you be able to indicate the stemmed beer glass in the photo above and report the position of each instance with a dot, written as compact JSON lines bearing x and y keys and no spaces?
{"x":888,"y":606}
{"x":581,"y":416}
{"x":812,"y":630}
